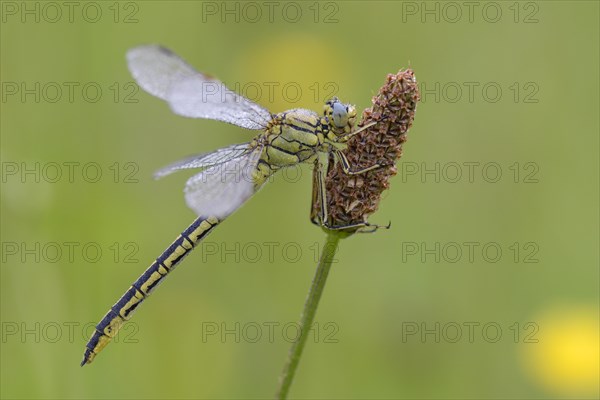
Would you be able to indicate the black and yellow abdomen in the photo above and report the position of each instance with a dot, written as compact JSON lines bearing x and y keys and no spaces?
{"x":123,"y":309}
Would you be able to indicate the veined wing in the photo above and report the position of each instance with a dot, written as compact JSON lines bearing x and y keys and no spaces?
{"x":190,"y":93}
{"x":206,"y":160}
{"x":221,"y":189}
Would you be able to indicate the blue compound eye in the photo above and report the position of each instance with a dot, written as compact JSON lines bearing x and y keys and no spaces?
{"x":340,"y":115}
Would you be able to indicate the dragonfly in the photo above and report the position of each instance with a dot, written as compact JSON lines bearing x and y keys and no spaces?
{"x":231,"y":175}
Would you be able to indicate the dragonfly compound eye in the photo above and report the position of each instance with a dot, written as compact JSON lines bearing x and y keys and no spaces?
{"x":340,"y":115}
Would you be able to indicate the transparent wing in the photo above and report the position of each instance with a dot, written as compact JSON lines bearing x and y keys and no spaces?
{"x":220,"y":190}
{"x":190,"y":93}
{"x":206,"y":160}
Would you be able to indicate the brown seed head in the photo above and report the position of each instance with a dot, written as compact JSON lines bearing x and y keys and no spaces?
{"x":351,"y":199}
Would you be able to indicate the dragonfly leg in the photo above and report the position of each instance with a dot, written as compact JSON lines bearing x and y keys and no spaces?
{"x":320,"y":196}
{"x":316,"y":195}
{"x":346,"y":164}
{"x":319,"y":182}
{"x":349,"y":135}
{"x":361,"y":227}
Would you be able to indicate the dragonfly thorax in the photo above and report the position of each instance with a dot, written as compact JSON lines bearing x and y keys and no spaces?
{"x":292,"y":137}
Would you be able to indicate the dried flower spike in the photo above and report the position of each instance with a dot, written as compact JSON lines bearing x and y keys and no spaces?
{"x":351,"y":199}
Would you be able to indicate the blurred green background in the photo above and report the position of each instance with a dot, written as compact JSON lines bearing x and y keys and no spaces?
{"x":508,"y":88}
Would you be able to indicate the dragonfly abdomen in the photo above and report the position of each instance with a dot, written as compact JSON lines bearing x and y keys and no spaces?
{"x":123,"y":309}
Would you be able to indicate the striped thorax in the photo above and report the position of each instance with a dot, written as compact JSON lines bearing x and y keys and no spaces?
{"x":295,"y":136}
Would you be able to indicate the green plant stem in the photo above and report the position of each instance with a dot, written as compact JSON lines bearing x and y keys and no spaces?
{"x":308,"y":314}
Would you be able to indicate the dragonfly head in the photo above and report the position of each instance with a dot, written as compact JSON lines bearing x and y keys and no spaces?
{"x":341,"y":118}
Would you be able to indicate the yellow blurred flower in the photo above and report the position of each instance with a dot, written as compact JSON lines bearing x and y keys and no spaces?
{"x":293,"y":70}
{"x":566,"y":359}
